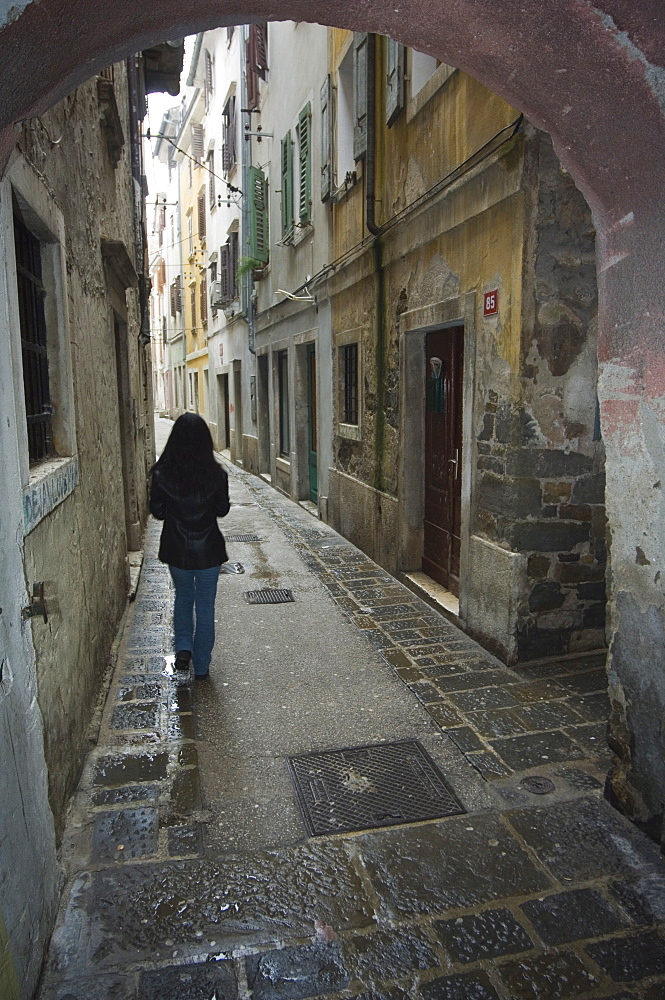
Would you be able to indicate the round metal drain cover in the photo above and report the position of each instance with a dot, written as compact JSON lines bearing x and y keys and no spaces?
{"x":537,"y":785}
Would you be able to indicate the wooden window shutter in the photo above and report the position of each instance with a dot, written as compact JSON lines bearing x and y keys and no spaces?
{"x":203,"y":298}
{"x":258,"y":215}
{"x":326,"y":139}
{"x":211,"y":178}
{"x":225,"y":273}
{"x":260,"y":48}
{"x":192,"y":302}
{"x":197,"y":141}
{"x":173,"y":299}
{"x":287,"y":186}
{"x":233,"y":264}
{"x":208,"y":78}
{"x":394,"y":80}
{"x":232,"y":129}
{"x":251,"y":75}
{"x":162,"y":274}
{"x":178,"y":295}
{"x":201,"y":208}
{"x":360,"y":91}
{"x":305,"y":158}
{"x":229,"y":148}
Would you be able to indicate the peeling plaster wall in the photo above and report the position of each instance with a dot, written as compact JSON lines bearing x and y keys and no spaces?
{"x":79,"y":549}
{"x":534,"y":514}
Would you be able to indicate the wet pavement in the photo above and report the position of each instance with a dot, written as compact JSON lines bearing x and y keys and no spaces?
{"x":189,"y":871}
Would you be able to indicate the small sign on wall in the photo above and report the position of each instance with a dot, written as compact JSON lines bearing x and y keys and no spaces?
{"x":491,"y":303}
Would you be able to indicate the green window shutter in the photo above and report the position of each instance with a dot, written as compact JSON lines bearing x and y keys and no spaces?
{"x":305,"y":157}
{"x":287,"y":186}
{"x":326,"y":139}
{"x":394,"y":80}
{"x":258,"y":215}
{"x":360,"y":90}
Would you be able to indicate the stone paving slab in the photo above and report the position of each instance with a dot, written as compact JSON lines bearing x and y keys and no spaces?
{"x":554,"y":896}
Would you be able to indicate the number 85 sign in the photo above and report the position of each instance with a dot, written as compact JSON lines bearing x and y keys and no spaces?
{"x":491,"y":303}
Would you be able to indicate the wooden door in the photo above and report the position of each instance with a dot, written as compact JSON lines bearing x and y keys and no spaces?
{"x":443,"y":456}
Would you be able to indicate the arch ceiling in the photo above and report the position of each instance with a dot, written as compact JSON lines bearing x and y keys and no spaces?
{"x":591,"y":74}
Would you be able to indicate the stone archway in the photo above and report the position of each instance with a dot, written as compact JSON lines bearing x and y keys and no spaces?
{"x":591,"y":74}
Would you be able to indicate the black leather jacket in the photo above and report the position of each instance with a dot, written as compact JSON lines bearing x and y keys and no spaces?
{"x":191,"y":538}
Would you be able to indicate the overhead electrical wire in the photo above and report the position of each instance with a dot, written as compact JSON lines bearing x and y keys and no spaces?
{"x":199,"y":163}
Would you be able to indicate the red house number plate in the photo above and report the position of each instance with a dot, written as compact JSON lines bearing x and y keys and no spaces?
{"x":491,"y":303}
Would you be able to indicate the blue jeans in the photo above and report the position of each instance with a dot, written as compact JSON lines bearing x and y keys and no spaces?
{"x":194,"y":613}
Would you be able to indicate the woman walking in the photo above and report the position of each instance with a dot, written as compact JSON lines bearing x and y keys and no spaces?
{"x":189,"y":491}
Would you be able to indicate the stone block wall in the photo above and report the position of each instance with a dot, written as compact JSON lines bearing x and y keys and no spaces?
{"x":539,"y":458}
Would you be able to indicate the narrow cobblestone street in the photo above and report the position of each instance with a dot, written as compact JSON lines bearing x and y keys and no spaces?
{"x":189,"y":874}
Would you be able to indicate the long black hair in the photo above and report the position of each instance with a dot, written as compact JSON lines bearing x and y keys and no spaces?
{"x":188,"y":463}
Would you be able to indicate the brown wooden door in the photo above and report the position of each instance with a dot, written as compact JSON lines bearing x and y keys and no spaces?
{"x":443,"y":455}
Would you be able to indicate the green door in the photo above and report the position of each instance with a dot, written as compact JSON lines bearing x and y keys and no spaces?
{"x":311,"y":423}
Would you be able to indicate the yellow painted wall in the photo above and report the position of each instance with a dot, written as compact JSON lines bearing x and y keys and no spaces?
{"x":468,"y":237}
{"x":195,"y":329}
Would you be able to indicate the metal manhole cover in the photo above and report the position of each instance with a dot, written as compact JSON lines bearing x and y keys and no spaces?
{"x":269,"y":596}
{"x":241,"y":538}
{"x":362,"y":788}
{"x":537,"y":785}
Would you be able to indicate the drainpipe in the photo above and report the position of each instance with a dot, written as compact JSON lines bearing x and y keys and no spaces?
{"x":370,"y":164}
{"x":246,"y":147}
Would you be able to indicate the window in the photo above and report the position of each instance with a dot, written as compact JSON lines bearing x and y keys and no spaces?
{"x":394,"y":80}
{"x":201,"y":213}
{"x":211,"y":179}
{"x":229,"y":138}
{"x":305,"y":165}
{"x":422,"y":68}
{"x":345,"y":161}
{"x":350,"y":383}
{"x":287,"y":187}
{"x":192,"y":306}
{"x":283,"y":393}
{"x":203,"y":299}
{"x":190,"y":233}
{"x":363,"y":71}
{"x":258,"y":215}
{"x":197,"y":142}
{"x":256,"y":61}
{"x":34,"y":349}
{"x":326,"y":139}
{"x":213,"y":278}
{"x":176,"y":298}
{"x":228,"y":267}
{"x":208,"y":78}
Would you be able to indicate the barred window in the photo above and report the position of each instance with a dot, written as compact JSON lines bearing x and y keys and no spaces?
{"x":350,"y":384}
{"x":32,"y":319}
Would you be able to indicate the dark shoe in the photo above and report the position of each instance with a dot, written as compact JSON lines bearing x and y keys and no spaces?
{"x":202,"y":677}
{"x":183,"y":659}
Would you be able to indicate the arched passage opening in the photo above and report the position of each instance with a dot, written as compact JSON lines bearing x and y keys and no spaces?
{"x":592,"y":80}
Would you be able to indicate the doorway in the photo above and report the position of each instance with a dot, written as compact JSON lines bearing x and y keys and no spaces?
{"x":312,"y":429}
{"x":444,"y":361}
{"x":224,"y":425}
{"x":263,"y":389}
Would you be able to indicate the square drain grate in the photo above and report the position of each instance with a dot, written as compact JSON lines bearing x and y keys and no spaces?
{"x":269,"y":596}
{"x":242,"y":538}
{"x":362,"y":788}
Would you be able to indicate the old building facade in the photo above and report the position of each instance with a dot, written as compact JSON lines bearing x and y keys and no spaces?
{"x":410,"y":342}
